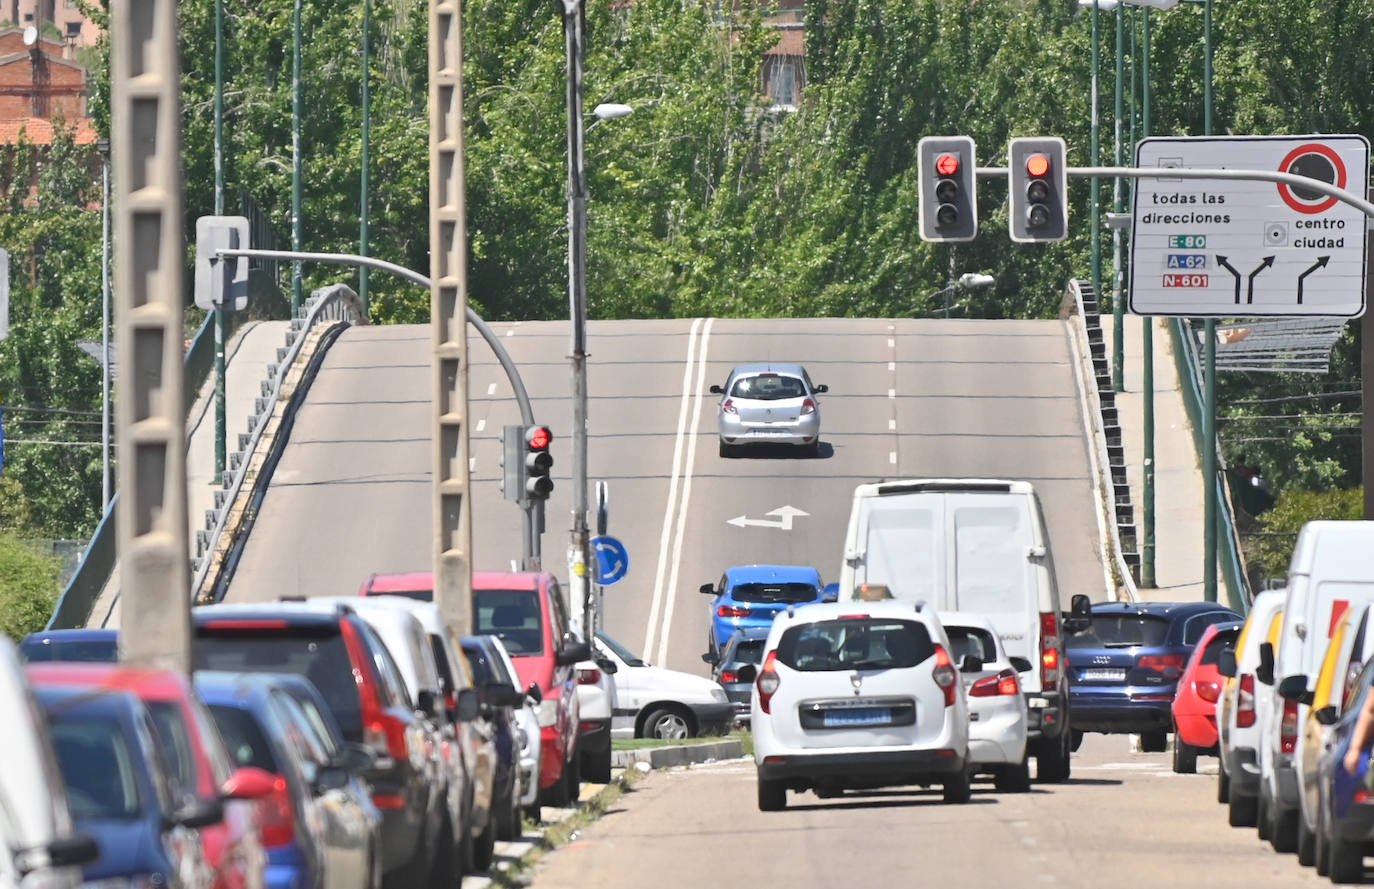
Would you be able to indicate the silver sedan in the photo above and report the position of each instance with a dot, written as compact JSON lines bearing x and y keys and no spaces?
{"x":763,"y":404}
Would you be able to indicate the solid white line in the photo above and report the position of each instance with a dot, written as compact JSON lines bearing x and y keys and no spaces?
{"x":670,"y":600}
{"x":481,"y":424}
{"x":472,"y":463}
{"x":491,"y":389}
{"x":656,"y":600}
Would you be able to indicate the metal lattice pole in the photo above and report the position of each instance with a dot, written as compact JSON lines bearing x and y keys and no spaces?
{"x":145,"y":117}
{"x":448,"y":316}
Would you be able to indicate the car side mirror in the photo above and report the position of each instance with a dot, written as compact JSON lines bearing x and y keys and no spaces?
{"x":331,"y":777}
{"x":821,"y":389}
{"x":356,"y":758}
{"x":468,"y":706}
{"x":716,"y":390}
{"x":72,"y":851}
{"x":1081,"y":606}
{"x":1226,"y":663}
{"x":1292,"y":688}
{"x":248,"y":782}
{"x":429,"y":704}
{"x":831,"y":593}
{"x":710,"y":657}
{"x":1327,"y":715}
{"x":501,"y":694}
{"x":572,"y":652}
{"x":534,"y":692}
{"x":607,"y":665}
{"x":970,"y":663}
{"x":197,"y":814}
{"x":1264,"y":672}
{"x":708,"y":589}
{"x":748,"y":673}
{"x":1021,"y":665}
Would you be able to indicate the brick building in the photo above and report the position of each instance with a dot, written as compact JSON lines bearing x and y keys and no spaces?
{"x":784,"y":65}
{"x":37,"y":86}
{"x":63,"y":15}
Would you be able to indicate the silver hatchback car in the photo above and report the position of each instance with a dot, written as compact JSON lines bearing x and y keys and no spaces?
{"x":763,"y":404}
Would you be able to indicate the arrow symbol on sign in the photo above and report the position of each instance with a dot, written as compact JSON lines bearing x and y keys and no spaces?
{"x":785,"y":516}
{"x":1320,"y":263}
{"x":1221,"y":261}
{"x":1264,"y":264}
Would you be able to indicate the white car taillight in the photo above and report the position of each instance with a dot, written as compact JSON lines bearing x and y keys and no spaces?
{"x":808,"y":407}
{"x":944,"y":675}
{"x":728,"y":407}
{"x":1245,"y":701}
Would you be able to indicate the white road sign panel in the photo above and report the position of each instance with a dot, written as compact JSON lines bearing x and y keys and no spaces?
{"x":1249,"y":249}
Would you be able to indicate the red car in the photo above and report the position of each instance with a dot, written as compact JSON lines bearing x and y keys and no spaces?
{"x":527,"y":612}
{"x":1195,"y":701}
{"x":233,"y":847}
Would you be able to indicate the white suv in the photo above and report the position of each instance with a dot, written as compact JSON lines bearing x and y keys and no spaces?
{"x":858,"y":695}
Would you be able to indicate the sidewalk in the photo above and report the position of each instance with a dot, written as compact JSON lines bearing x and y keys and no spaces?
{"x":1178,"y":477}
{"x":247,"y":355}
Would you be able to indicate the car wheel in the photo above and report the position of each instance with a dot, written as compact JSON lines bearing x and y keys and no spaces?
{"x":534,"y":812}
{"x":958,"y":788}
{"x":1344,"y":860}
{"x":596,"y":767}
{"x":1264,"y":824}
{"x":772,"y":795}
{"x":507,"y":817}
{"x":1013,"y":778}
{"x":1323,"y":852}
{"x":1307,"y":843}
{"x":726,"y":450}
{"x":1052,"y":759}
{"x":1283,"y":835}
{"x":1223,"y":786}
{"x":1076,"y":740}
{"x":1241,"y":811}
{"x":463,"y":853}
{"x":1154,"y":742}
{"x":1185,"y":756}
{"x":667,"y":725}
{"x":483,"y":848}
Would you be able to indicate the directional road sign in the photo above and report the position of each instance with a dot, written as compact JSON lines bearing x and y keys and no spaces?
{"x":1249,"y":249}
{"x":612,"y":560}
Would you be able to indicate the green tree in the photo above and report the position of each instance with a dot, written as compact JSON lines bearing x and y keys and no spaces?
{"x":28,"y":587}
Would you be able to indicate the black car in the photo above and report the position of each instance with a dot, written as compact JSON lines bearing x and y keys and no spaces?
{"x":1124,"y":667}
{"x":501,"y":696}
{"x":329,"y":644}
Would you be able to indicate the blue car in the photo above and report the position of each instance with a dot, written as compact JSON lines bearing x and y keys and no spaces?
{"x":1345,"y":824}
{"x":119,"y":792}
{"x":750,"y":595}
{"x":1124,"y":667}
{"x":98,"y":646}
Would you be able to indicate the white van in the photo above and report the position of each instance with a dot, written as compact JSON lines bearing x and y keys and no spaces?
{"x":1242,"y":710}
{"x":1332,"y":570}
{"x":974,"y":545}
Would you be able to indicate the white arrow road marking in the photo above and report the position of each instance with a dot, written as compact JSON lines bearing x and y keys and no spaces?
{"x":785,"y":516}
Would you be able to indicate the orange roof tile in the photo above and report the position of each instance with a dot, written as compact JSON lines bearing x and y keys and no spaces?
{"x":39,"y":131}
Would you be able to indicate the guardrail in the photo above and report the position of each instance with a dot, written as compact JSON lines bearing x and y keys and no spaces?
{"x":1228,"y":541}
{"x":331,"y":304}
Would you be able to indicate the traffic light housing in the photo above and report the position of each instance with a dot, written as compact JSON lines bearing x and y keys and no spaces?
{"x":537,"y":462}
{"x":1039,"y":190}
{"x":948,"y":196}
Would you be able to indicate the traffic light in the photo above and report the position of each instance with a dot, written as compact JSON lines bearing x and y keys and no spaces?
{"x":537,"y":462}
{"x":1039,"y":190}
{"x":949,"y":199}
{"x":513,"y":463}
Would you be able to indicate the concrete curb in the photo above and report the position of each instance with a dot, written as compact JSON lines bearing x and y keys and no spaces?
{"x":684,"y":754}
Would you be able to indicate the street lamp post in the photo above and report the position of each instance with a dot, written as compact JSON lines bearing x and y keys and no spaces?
{"x":296,"y":173}
{"x":104,"y":146}
{"x":966,"y":281}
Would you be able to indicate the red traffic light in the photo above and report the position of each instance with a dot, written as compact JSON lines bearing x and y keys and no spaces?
{"x":1037,"y":165}
{"x":537,"y":438}
{"x":947,"y":164}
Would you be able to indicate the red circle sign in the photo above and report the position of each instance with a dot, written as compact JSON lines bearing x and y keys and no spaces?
{"x":1322,"y":202}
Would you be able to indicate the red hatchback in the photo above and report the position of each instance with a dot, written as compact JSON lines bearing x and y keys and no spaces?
{"x":527,"y":612}
{"x":233,"y":847}
{"x":1195,"y":702}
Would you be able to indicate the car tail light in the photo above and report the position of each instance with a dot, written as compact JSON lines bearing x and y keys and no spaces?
{"x":1171,"y":665}
{"x":246,"y":624}
{"x":732,"y":611}
{"x":588,"y":676}
{"x":808,"y":407}
{"x":1049,"y":649}
{"x":1208,"y":691}
{"x":276,"y":816}
{"x":728,"y":407}
{"x":1245,"y":701}
{"x":383,"y":732}
{"x":729,"y":676}
{"x":1288,"y":728}
{"x":944,"y":674}
{"x":768,"y":681}
{"x":1003,"y":683}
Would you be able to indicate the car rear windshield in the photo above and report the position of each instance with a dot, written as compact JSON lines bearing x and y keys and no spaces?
{"x":98,"y":768}
{"x":1219,"y":643}
{"x":971,"y":640}
{"x":774,"y":592}
{"x":417,"y":595}
{"x":513,"y":616}
{"x":749,"y":652}
{"x":855,"y":644}
{"x":318,"y":654}
{"x":768,"y":387}
{"x":1121,"y":631}
{"x":243,"y":738}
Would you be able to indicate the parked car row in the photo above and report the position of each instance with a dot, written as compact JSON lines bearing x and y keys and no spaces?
{"x":332,"y":743}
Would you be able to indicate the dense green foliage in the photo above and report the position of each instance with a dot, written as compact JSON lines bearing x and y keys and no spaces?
{"x":1272,"y":548}
{"x":28,"y":587}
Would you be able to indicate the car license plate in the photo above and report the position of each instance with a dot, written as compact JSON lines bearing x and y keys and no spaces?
{"x":1104,"y":674}
{"x":856,"y":717}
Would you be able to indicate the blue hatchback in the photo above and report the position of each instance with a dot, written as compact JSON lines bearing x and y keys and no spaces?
{"x":750,"y":595}
{"x":1124,"y":668}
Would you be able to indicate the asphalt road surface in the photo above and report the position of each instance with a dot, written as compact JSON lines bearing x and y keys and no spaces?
{"x":1124,"y":820}
{"x":908,"y":398}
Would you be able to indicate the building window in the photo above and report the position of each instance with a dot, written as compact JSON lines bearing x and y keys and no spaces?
{"x":784,"y":78}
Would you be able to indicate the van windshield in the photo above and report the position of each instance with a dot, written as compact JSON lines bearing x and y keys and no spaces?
{"x":855,"y":644}
{"x":1121,"y":631}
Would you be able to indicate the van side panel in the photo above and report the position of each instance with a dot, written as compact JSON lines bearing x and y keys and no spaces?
{"x":992,"y":575}
{"x":901,"y":536}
